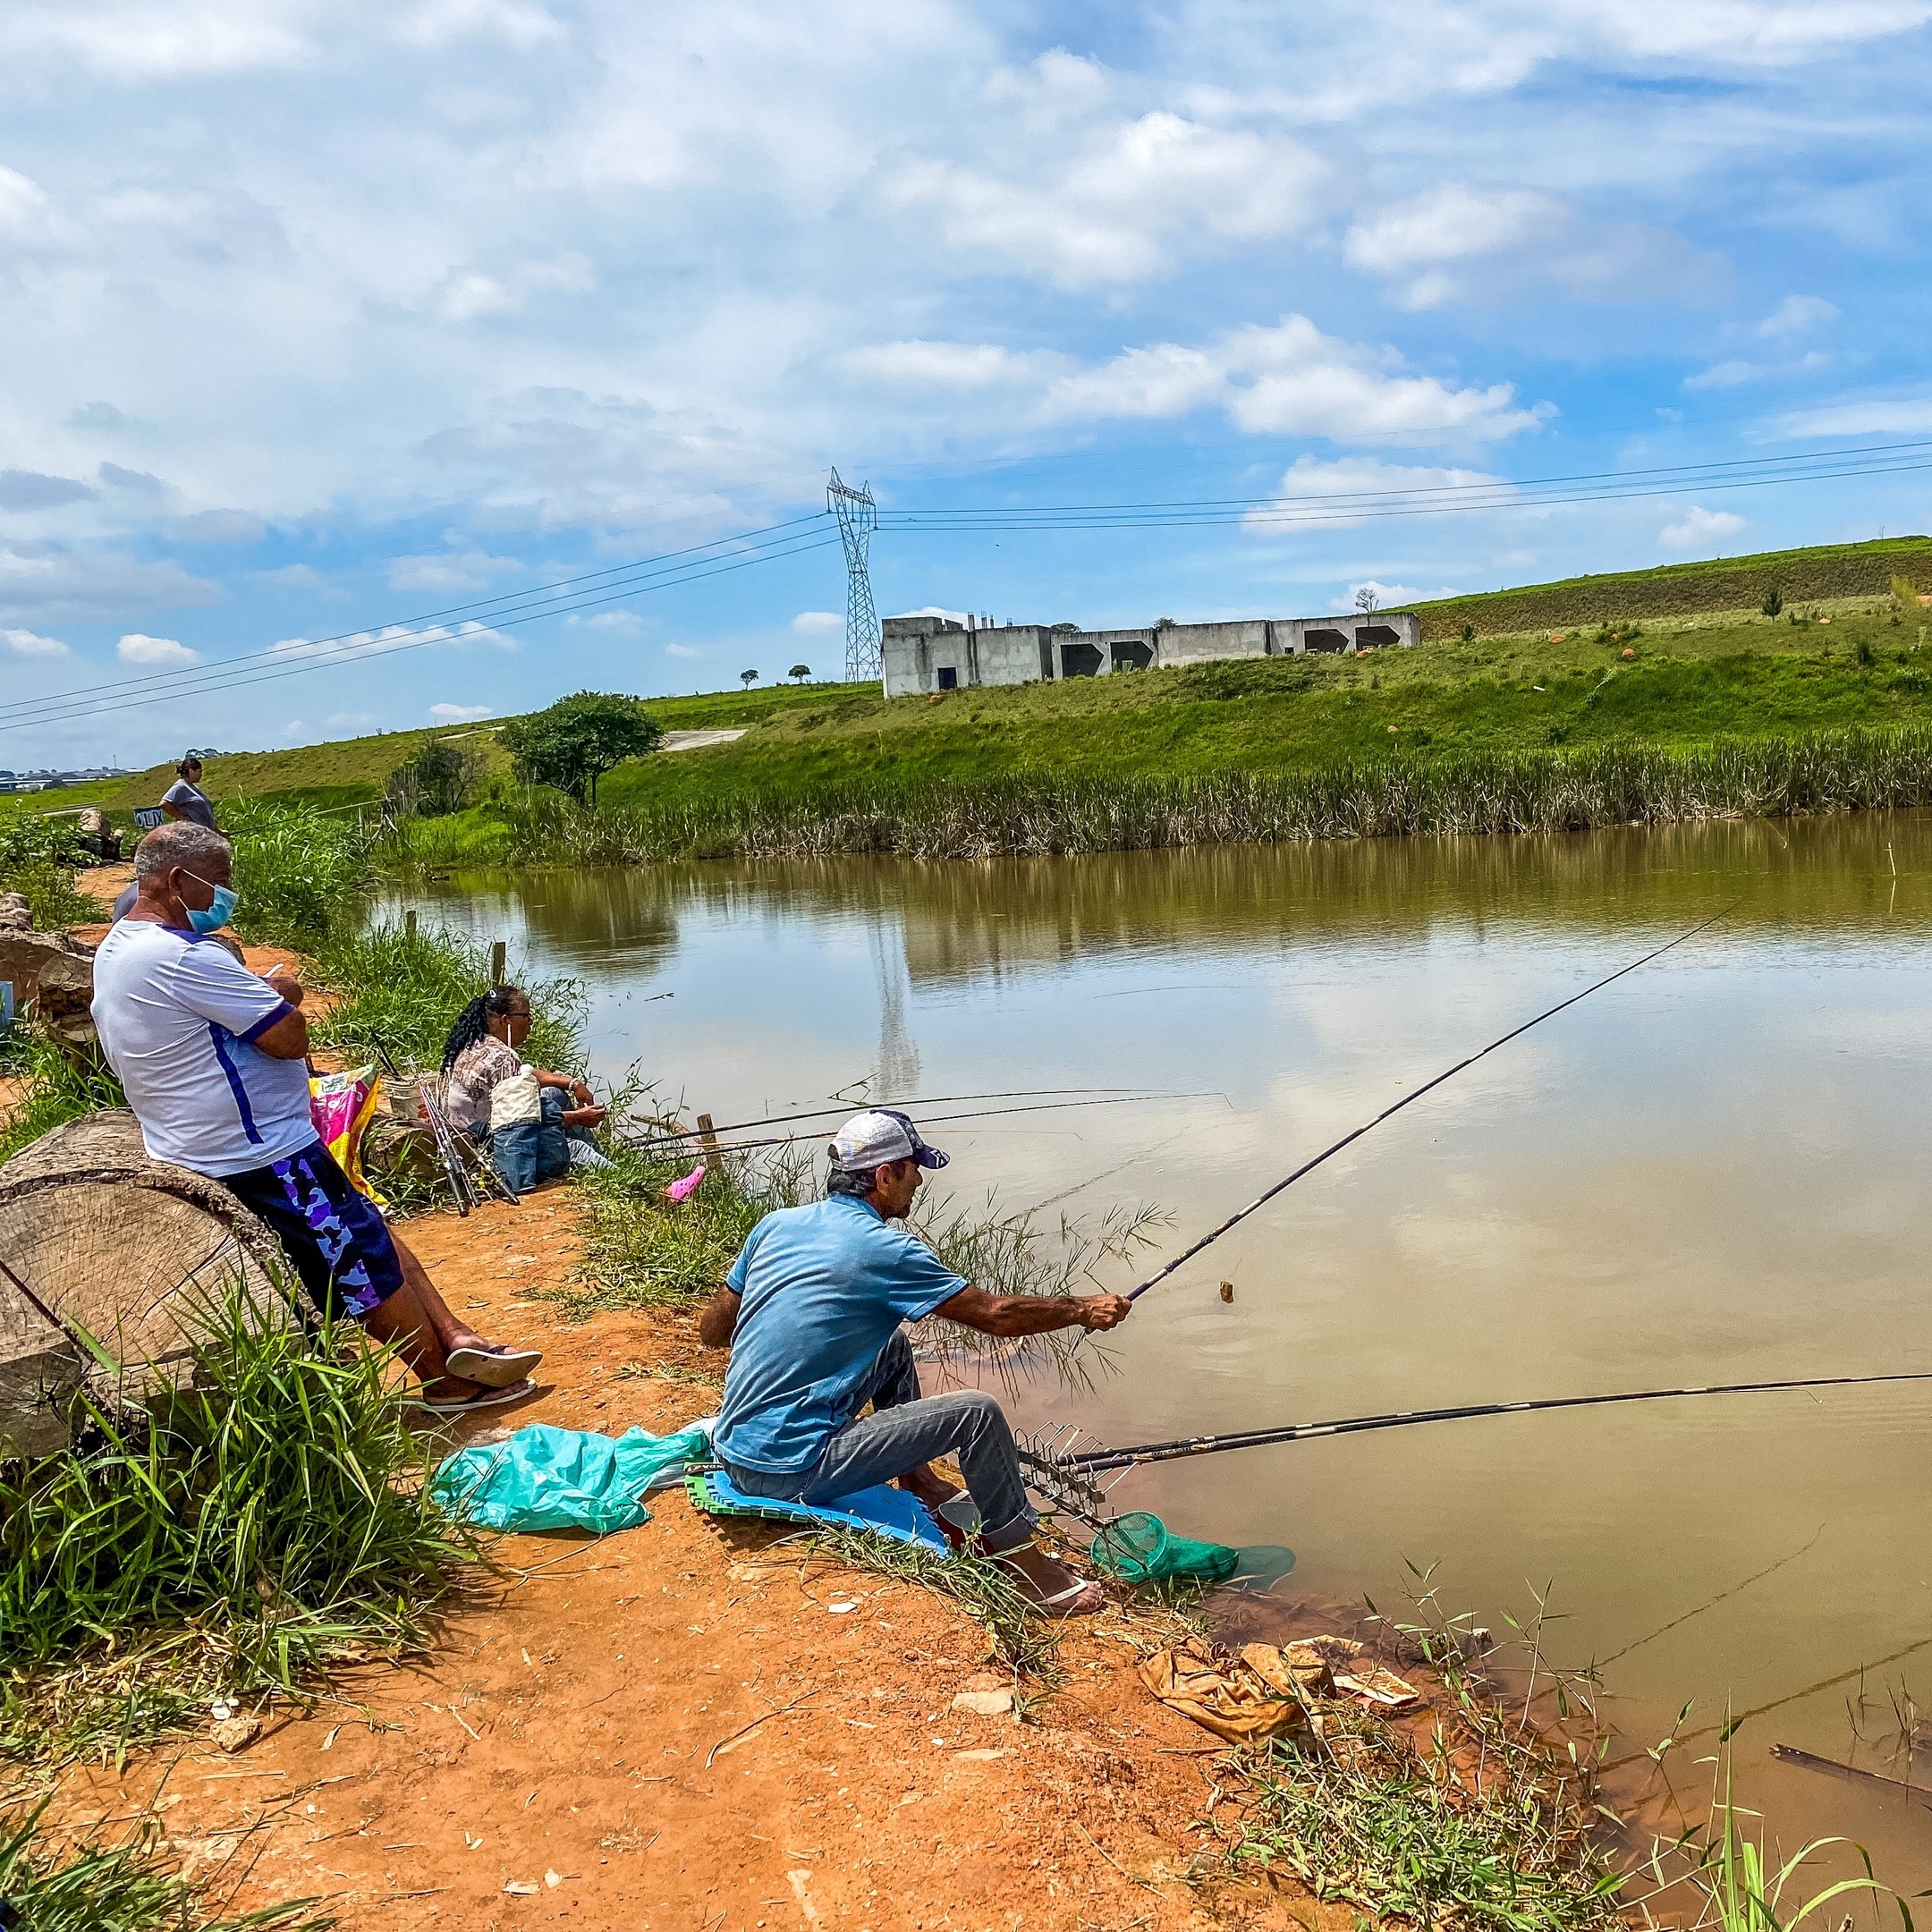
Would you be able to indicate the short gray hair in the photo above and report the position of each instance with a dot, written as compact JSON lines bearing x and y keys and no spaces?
{"x":181,"y":844}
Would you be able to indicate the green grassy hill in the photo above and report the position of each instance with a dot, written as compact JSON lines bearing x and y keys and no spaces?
{"x":1550,"y":665}
{"x":1826,"y":573}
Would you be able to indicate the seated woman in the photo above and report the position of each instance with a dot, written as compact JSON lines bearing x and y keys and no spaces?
{"x":481,"y":1055}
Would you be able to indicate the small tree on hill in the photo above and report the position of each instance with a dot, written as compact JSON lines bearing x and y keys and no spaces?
{"x":441,"y":776}
{"x":799,"y":672}
{"x":577,"y":740}
{"x":1774,"y":602}
{"x":747,"y":679}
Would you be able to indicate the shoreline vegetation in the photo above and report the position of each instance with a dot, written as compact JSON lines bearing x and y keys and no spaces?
{"x":1043,"y":815}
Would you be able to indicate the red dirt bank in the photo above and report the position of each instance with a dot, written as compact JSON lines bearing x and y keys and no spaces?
{"x":671,"y":1728}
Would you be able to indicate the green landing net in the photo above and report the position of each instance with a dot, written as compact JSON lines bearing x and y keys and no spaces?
{"x":1138,"y":1547}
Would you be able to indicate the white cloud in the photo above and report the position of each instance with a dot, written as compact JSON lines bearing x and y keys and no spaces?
{"x":30,"y":489}
{"x":294,"y":728}
{"x":1290,"y":380}
{"x":465,"y":295}
{"x":218,"y":526}
{"x":1735,"y":370}
{"x":818,"y":623}
{"x":28,"y":644}
{"x":1387,"y":596}
{"x":1697,"y":527}
{"x":682,"y":650}
{"x":467,"y":570}
{"x":1862,"y":416}
{"x":950,"y":365}
{"x":627,"y":621}
{"x":21,"y":203}
{"x":132,"y":41}
{"x":1475,"y":241}
{"x":39,"y":582}
{"x":1338,"y":495}
{"x":1120,"y":202}
{"x":460,"y":714}
{"x":1797,"y":315}
{"x":138,"y":648}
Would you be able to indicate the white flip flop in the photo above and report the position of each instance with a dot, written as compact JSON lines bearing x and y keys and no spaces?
{"x":496,"y":1367}
{"x":485,"y":1398}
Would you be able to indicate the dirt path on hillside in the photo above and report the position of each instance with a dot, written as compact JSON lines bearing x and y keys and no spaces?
{"x":680,"y":1727}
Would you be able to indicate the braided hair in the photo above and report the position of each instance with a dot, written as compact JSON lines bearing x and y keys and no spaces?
{"x":473,"y":1023}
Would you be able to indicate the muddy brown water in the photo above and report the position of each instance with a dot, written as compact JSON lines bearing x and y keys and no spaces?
{"x":1720,"y":1169}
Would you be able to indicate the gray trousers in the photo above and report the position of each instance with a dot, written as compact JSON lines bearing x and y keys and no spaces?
{"x":904,"y":1430}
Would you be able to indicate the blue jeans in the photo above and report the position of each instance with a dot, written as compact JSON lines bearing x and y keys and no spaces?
{"x":904,"y":1430}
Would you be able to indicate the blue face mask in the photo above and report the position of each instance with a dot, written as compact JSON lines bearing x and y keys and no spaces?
{"x":215,"y":917}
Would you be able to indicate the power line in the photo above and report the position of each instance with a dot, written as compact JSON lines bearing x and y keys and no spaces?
{"x":500,"y":604}
{"x":243,"y":673}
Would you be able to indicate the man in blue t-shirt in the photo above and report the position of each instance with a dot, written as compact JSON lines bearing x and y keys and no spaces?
{"x":812,"y":1311}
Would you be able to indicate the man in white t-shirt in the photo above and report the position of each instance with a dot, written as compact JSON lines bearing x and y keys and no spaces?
{"x":213,"y":1060}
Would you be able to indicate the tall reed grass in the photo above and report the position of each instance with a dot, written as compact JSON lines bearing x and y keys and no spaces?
{"x":302,"y":873}
{"x":240,"y":1536}
{"x":1465,"y":792}
{"x":400,"y":991}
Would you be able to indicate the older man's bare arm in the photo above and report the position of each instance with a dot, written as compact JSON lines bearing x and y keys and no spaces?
{"x":288,"y":1038}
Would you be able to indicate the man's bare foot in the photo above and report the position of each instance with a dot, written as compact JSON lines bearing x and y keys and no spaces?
{"x":1049,"y":1587}
{"x":929,"y":1487}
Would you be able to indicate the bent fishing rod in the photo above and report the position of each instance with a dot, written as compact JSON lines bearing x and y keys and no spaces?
{"x":1328,"y":1153}
{"x":1063,"y":1473}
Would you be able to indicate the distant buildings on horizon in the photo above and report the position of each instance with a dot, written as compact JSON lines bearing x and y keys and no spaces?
{"x":53,"y":781}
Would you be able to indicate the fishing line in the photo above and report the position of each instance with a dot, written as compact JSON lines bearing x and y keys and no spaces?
{"x":944,"y":1119}
{"x":1306,"y":1167}
{"x":781,"y":1120}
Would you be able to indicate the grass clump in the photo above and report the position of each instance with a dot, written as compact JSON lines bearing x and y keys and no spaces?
{"x":400,"y":991}
{"x":302,"y":873}
{"x":57,"y":1086}
{"x":640,"y":1251}
{"x":239,"y":1537}
{"x":1490,"y":1819}
{"x":128,"y":1885}
{"x":1019,"y":1640}
{"x":38,"y":859}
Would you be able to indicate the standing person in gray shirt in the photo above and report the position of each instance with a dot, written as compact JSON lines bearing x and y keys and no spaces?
{"x":185,"y":799}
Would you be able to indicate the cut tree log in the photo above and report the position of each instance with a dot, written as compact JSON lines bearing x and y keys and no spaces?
{"x":122,"y":1248}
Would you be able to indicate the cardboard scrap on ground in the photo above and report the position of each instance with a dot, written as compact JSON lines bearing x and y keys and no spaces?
{"x":1226,"y":1696}
{"x":1267,"y":1691}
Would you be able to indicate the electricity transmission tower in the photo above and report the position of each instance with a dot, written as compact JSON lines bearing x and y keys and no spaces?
{"x":857,"y":518}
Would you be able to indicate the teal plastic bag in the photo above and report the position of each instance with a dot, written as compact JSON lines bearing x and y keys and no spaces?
{"x":1138,"y":1547}
{"x":557,"y":1478}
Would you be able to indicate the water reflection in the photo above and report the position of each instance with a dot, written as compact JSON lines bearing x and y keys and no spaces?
{"x":1712,"y":1172}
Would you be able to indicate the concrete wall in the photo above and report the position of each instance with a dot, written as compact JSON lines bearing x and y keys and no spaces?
{"x":923,"y":655}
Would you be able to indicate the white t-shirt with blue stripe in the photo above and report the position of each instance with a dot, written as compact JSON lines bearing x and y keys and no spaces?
{"x":177,"y":1018}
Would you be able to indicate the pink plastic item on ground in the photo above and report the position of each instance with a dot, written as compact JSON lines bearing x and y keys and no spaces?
{"x":683,"y":1189}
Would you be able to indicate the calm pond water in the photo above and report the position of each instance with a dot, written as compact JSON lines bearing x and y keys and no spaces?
{"x":1714,"y":1171}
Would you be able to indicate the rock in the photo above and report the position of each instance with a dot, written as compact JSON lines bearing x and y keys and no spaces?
{"x":52,"y":980}
{"x":237,"y":1733}
{"x":984,"y":1703}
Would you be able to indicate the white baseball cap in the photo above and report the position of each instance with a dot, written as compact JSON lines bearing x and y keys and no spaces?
{"x":871,"y":1138}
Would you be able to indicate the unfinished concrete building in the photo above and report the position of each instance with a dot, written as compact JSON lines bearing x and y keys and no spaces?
{"x":925,"y":654}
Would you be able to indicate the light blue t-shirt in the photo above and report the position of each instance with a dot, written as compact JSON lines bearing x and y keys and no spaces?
{"x":824,"y":1288}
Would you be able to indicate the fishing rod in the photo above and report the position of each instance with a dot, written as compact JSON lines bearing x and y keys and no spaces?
{"x":782,"y":1119}
{"x":1062,"y":1472}
{"x":946,"y":1119}
{"x":1308,"y":1167}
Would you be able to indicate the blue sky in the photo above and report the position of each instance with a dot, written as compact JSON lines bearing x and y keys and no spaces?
{"x":323,"y":315}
